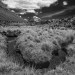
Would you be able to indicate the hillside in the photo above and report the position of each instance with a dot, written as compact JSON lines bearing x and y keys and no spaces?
{"x":7,"y":15}
{"x":69,"y":11}
{"x":29,"y":48}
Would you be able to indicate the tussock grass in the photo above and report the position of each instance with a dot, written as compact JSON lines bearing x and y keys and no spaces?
{"x":40,"y":43}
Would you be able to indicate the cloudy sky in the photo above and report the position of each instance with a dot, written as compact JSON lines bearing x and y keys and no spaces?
{"x":23,"y":7}
{"x":29,"y":5}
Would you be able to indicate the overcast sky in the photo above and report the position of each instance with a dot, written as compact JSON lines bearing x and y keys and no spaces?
{"x":40,"y":7}
{"x":29,"y":5}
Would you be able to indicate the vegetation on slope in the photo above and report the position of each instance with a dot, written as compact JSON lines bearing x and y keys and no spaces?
{"x":53,"y":48}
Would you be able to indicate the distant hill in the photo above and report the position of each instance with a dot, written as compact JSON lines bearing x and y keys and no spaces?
{"x":70,"y":11}
{"x":7,"y":15}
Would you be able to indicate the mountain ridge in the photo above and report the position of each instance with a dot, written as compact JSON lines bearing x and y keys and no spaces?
{"x":7,"y":15}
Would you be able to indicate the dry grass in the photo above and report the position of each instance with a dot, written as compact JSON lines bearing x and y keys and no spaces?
{"x":45,"y":36}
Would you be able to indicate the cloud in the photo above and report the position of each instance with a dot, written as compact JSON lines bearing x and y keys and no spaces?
{"x":29,"y":5}
{"x":65,"y":3}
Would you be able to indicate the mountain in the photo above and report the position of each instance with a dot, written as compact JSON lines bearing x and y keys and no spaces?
{"x":7,"y":15}
{"x":69,"y":11}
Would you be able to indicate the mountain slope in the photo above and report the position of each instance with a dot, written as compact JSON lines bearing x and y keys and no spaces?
{"x":70,"y":11}
{"x":7,"y":15}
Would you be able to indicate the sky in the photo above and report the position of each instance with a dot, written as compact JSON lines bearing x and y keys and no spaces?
{"x":27,"y":8}
{"x":29,"y":5}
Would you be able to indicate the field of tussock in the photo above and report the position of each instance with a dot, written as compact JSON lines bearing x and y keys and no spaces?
{"x":34,"y":50}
